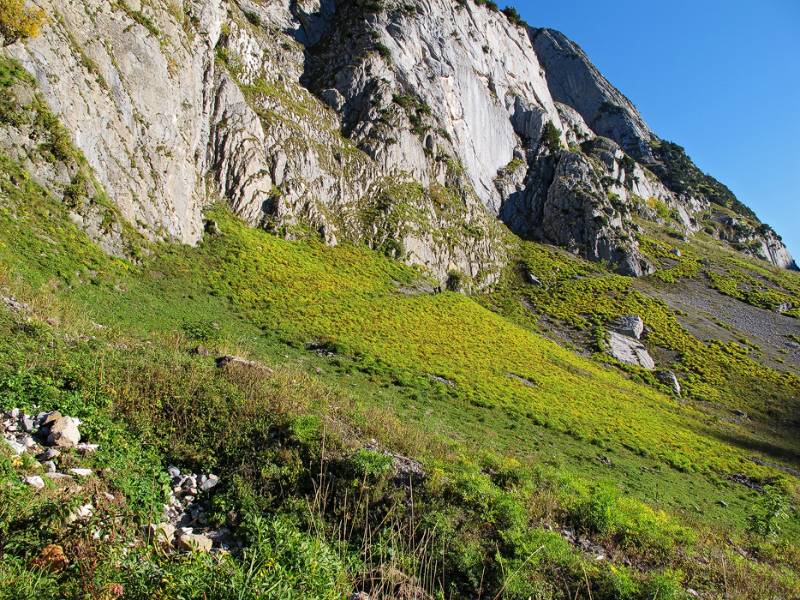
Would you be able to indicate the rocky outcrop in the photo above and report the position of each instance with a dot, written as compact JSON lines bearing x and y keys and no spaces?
{"x":756,"y":240}
{"x":629,"y":351}
{"x":574,"y":81}
{"x":131,"y":83}
{"x":664,"y":173}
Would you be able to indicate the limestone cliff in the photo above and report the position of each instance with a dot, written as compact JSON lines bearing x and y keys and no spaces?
{"x":407,"y":126}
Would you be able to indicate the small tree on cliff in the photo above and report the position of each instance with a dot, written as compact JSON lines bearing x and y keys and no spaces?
{"x":551,"y":137}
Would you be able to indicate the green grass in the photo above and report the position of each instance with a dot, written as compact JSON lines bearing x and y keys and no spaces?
{"x":272,"y":296}
{"x":508,"y":424}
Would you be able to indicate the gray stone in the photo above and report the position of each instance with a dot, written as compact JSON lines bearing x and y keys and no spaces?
{"x":48,"y":454}
{"x":63,"y":432}
{"x":173,"y":471}
{"x":531,"y":278}
{"x":669,"y":378}
{"x":81,"y":472}
{"x":209,"y":482}
{"x":187,"y":540}
{"x":162,"y":534}
{"x":49,"y":466}
{"x":237,"y":362}
{"x":630,"y":351}
{"x":82,"y":513}
{"x":26,"y":423}
{"x":15,"y":446}
{"x":632,"y":326}
{"x":34,"y":481}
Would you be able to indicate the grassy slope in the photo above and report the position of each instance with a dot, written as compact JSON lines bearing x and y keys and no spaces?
{"x":255,"y":293}
{"x":270,"y":297}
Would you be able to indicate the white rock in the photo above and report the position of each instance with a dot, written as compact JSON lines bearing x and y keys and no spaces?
{"x":34,"y":481}
{"x":629,"y":351}
{"x":81,"y":472}
{"x":15,"y":446}
{"x":81,"y":514}
{"x":210,"y":482}
{"x":63,"y":433}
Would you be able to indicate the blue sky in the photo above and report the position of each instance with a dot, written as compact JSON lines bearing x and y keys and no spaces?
{"x":719,"y":77}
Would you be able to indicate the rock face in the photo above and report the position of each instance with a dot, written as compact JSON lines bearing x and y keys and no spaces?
{"x":574,"y":81}
{"x":133,"y":89}
{"x":409,"y":127}
{"x":630,"y":351}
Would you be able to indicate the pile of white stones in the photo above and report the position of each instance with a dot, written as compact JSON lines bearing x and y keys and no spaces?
{"x":45,"y":436}
{"x":185,"y":523}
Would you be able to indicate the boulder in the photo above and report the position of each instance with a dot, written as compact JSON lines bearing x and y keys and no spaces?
{"x":632,"y":326}
{"x":47,"y":419}
{"x":81,"y":472}
{"x":237,"y":362}
{"x":628,"y":350}
{"x":63,"y":432}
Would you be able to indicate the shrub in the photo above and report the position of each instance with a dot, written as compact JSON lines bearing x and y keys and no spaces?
{"x":455,"y":281}
{"x":513,"y":16}
{"x":253,"y":18}
{"x":551,"y":137}
{"x":769,"y":511}
{"x":18,"y":22}
{"x":368,"y":464}
{"x":383,"y":50}
{"x":201,"y":331}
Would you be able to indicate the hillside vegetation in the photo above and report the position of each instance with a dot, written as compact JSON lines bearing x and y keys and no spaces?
{"x":544,"y":473}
